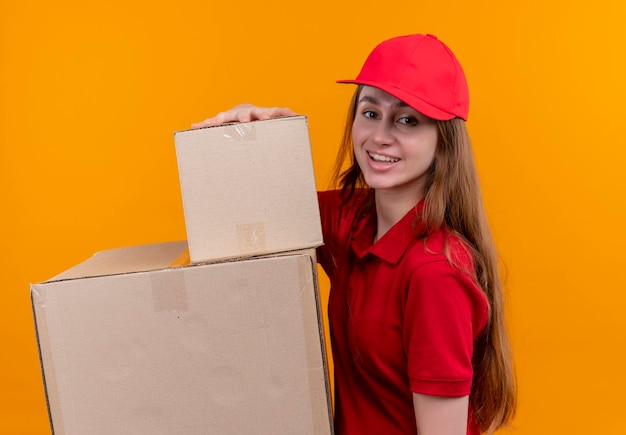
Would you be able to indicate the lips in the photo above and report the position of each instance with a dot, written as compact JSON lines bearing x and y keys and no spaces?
{"x":382,"y":159}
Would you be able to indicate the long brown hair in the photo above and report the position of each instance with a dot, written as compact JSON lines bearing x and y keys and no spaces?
{"x":453,"y":202}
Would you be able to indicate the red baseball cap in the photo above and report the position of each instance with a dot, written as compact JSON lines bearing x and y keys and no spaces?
{"x":421,"y":71}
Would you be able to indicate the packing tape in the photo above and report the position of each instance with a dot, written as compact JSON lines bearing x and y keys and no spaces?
{"x":168,"y":290}
{"x":251,"y":238}
{"x":240,"y":132}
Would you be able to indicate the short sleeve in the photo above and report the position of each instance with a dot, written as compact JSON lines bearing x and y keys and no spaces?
{"x":335,"y":218}
{"x":444,"y":313}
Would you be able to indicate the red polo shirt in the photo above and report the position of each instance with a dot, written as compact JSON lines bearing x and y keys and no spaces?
{"x":402,"y":318}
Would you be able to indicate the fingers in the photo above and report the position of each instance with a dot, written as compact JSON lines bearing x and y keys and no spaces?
{"x":245,"y":113}
{"x":259,"y":113}
{"x":206,"y":123}
{"x":232,"y":115}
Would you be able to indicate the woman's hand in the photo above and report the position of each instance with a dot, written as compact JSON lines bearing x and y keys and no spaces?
{"x":245,"y":113}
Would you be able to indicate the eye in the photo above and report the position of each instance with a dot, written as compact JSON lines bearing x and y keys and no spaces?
{"x":370,"y":114}
{"x":407,"y":120}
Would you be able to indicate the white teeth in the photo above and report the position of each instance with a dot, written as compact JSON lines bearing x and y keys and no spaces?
{"x":379,"y":158}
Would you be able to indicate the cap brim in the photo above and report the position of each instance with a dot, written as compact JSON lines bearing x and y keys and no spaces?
{"x":416,"y":103}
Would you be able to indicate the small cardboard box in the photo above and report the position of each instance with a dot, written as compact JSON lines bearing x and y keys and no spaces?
{"x":137,"y":341}
{"x":248,"y":189}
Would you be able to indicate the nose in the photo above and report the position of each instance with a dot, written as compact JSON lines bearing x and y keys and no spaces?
{"x":382,"y":134}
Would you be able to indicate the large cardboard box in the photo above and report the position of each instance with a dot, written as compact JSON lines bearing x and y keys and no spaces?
{"x":138,"y":341}
{"x":248,"y":189}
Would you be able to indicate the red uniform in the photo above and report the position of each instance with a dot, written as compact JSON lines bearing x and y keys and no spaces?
{"x":403,"y":319}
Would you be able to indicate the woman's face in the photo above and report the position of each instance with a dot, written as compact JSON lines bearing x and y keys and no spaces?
{"x":394,"y":144}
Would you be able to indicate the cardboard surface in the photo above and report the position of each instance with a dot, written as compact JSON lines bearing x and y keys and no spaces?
{"x":248,"y":189}
{"x":226,"y":348}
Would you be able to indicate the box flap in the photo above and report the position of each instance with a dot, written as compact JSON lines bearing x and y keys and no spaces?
{"x":130,"y":259}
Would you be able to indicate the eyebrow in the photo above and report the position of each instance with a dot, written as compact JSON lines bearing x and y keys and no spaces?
{"x":373,"y":100}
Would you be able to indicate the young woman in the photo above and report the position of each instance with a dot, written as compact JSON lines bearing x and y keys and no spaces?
{"x":416,"y":312}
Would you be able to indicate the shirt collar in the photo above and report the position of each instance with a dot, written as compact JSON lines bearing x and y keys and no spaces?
{"x":393,"y":243}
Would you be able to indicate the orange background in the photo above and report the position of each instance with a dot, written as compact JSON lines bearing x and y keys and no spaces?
{"x":90,"y":95}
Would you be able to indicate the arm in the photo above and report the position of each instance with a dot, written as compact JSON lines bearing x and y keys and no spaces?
{"x":446,"y":313}
{"x":436,"y":415}
{"x":245,"y":113}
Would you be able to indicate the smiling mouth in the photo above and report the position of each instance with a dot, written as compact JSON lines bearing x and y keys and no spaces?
{"x":383,"y":159}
